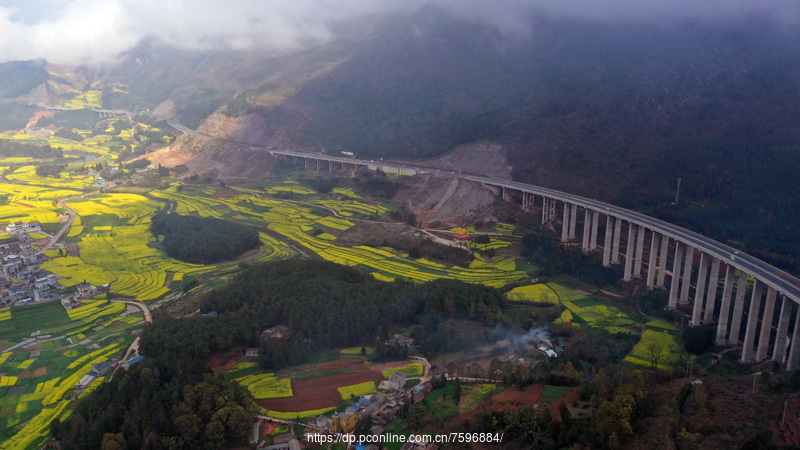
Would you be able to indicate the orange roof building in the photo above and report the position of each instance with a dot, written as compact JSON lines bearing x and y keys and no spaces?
{"x":461,"y":236}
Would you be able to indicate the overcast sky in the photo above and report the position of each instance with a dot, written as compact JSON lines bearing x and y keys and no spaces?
{"x":97,"y":31}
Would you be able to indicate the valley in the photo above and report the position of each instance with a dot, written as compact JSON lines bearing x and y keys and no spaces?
{"x":574,"y":234}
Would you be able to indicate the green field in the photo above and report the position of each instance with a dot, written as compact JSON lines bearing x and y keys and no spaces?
{"x":663,"y":335}
{"x":40,"y":376}
{"x":411,"y":370}
{"x":536,"y":293}
{"x":553,"y":393}
{"x":587,"y":311}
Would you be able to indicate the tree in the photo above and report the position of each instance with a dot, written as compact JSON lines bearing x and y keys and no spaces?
{"x":656,"y":351}
{"x":613,"y":419}
{"x":363,"y":427}
{"x":456,"y":390}
{"x":566,"y":416}
{"x":55,"y":428}
{"x":112,"y":441}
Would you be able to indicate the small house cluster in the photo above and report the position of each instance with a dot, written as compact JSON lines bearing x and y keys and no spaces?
{"x":98,"y":370}
{"x":21,"y":278}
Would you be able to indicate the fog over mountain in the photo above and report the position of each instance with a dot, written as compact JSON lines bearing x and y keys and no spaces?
{"x":98,"y":31}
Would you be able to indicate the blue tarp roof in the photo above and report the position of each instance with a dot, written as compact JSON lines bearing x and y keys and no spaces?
{"x":135,"y":360}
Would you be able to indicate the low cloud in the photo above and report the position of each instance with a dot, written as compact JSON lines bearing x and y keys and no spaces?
{"x":97,"y":31}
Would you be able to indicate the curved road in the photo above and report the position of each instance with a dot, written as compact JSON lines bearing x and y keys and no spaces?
{"x":134,"y":347}
{"x":67,"y":225}
{"x":772,"y":276}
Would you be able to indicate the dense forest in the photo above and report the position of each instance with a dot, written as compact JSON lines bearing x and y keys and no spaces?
{"x":349,"y":308}
{"x":621,"y":395}
{"x":553,"y":258}
{"x":159,"y":404}
{"x":202,"y":240}
{"x":9,"y":148}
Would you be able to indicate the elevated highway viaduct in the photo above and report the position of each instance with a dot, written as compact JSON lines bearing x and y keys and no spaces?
{"x":699,"y":265}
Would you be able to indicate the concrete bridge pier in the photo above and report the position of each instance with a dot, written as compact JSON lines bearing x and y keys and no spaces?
{"x":628,"y":274}
{"x":651,"y":263}
{"x":738,"y":308}
{"x":779,"y":350}
{"x":662,"y":263}
{"x":766,"y":325}
{"x":617,"y":237}
{"x":526,"y":199}
{"x":711,"y":297}
{"x":552,"y":209}
{"x":752,"y":323}
{"x":607,"y":244}
{"x":794,"y":347}
{"x":687,"y":276}
{"x":637,"y":261}
{"x":725,"y":307}
{"x":545,"y":205}
{"x":587,"y":223}
{"x":565,"y":223}
{"x":595,"y":224}
{"x":676,"y":278}
{"x":573,"y":221}
{"x":700,"y":291}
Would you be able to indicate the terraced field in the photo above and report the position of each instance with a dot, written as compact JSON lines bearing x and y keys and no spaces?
{"x":582,"y":310}
{"x":295,"y":223}
{"x":71,"y":148}
{"x":536,"y":293}
{"x":115,"y":248}
{"x":27,"y":175}
{"x":266,"y":385}
{"x":47,"y":351}
{"x":31,"y":204}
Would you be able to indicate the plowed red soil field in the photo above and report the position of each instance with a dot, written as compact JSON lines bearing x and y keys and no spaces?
{"x":318,"y":393}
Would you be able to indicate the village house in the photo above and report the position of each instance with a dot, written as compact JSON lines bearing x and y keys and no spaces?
{"x":127,"y":364}
{"x":290,"y":444}
{"x":279,"y":332}
{"x":85,"y":381}
{"x":101,"y":368}
{"x":40,"y":294}
{"x":395,"y":382}
{"x":70,"y":302}
{"x":404,"y":341}
{"x":345,"y":422}
{"x":16,"y":227}
{"x":418,"y":393}
{"x":84,"y":289}
{"x":10,"y":269}
{"x":323,"y":422}
{"x":49,"y":280}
